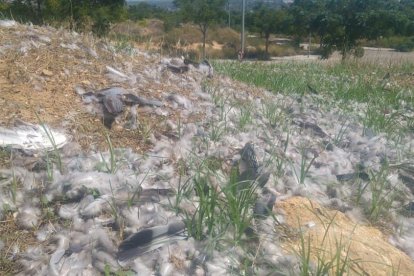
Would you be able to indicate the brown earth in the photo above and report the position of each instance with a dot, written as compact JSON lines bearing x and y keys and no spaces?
{"x":328,"y":232}
{"x":41,"y":82}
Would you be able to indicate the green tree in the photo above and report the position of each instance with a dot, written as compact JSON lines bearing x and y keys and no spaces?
{"x":305,"y":13}
{"x":204,"y":13}
{"x":79,"y":12}
{"x":341,"y":24}
{"x":144,"y":10}
{"x":268,"y":21}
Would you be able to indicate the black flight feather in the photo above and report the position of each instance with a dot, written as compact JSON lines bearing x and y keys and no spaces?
{"x":149,"y":239}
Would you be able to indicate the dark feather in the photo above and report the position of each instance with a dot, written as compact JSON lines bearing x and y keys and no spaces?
{"x":315,"y":128}
{"x":178,"y":69}
{"x":312,"y":90}
{"x":132,"y":99}
{"x":248,"y":155}
{"x":352,"y":176}
{"x":149,"y":239}
{"x":113,"y":104}
{"x":263,"y":178}
{"x":205,"y":62}
{"x":264,"y":205}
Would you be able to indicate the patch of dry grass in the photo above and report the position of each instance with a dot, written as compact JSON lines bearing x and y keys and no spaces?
{"x":13,"y":238}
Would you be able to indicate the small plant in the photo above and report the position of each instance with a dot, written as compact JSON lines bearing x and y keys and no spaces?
{"x":217,"y":130}
{"x":53,"y":142}
{"x":305,"y":166}
{"x":115,"y":211}
{"x":379,"y":120}
{"x":184,"y":190}
{"x":5,"y":156}
{"x":205,"y":220}
{"x":145,"y":130}
{"x":219,"y":210}
{"x":339,"y":137}
{"x":272,"y":113}
{"x":245,"y":117}
{"x":49,"y":168}
{"x":222,"y":106}
{"x":276,"y":157}
{"x":135,"y":194}
{"x":382,"y":194}
{"x":179,"y":128}
{"x":108,"y":271}
{"x":14,"y":184}
{"x":330,"y":258}
{"x":239,"y":203}
{"x":112,"y":166}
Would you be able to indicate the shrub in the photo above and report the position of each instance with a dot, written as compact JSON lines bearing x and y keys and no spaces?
{"x":358,"y":52}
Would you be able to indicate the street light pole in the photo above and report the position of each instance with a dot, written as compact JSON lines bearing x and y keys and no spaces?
{"x":228,"y":9}
{"x":242,"y":32}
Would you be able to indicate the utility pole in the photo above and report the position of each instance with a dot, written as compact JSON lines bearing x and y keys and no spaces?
{"x":228,"y":9}
{"x":242,"y":32}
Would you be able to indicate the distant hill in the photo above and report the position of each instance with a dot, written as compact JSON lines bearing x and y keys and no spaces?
{"x":165,"y":4}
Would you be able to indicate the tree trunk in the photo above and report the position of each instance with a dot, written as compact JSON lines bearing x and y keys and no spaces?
{"x":204,"y":45}
{"x":203,"y":28}
{"x":39,"y":11}
{"x":267,"y":43}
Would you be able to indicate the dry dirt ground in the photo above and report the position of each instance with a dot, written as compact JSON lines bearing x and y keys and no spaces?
{"x":365,"y":246}
{"x":41,"y":81}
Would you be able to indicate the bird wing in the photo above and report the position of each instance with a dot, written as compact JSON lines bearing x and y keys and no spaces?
{"x":149,"y":239}
{"x":113,"y":104}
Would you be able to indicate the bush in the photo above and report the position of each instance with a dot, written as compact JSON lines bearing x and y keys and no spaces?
{"x":258,"y":54}
{"x":358,"y":52}
{"x":406,"y":46}
{"x":281,"y":50}
{"x":326,"y":51}
{"x":399,"y":43}
{"x":229,"y":52}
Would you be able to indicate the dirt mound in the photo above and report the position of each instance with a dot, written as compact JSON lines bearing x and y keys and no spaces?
{"x":328,"y":232}
{"x":40,"y":67}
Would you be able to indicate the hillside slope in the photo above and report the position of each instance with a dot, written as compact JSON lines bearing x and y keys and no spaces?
{"x":174,"y":152}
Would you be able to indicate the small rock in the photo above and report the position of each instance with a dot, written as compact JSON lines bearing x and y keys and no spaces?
{"x":7,"y":23}
{"x":311,"y":224}
{"x":47,"y":73}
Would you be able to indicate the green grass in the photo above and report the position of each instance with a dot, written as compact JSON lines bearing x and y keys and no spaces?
{"x":245,"y":117}
{"x":112,"y":166}
{"x":331,"y":257}
{"x":304,"y":167}
{"x":222,"y":213}
{"x":338,"y":84}
{"x":56,"y":154}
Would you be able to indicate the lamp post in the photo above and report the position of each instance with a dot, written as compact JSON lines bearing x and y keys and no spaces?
{"x":228,"y":9}
{"x":242,"y":32}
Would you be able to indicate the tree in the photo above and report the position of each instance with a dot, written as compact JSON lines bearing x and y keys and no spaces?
{"x":204,"y":13}
{"x":144,"y":10}
{"x":100,"y":12}
{"x":341,"y":24}
{"x":267,"y":21}
{"x":305,"y":13}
